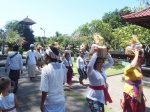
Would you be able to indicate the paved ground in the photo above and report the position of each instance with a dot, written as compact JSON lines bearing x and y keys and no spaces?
{"x":29,"y":95}
{"x":115,"y":90}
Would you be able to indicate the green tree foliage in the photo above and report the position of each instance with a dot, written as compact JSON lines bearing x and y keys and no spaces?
{"x":114,"y":19}
{"x":1,"y":36}
{"x":115,"y":32}
{"x":13,"y":25}
{"x":22,"y":30}
{"x":122,"y":35}
{"x":12,"y":37}
{"x":96,"y":26}
{"x":29,"y":37}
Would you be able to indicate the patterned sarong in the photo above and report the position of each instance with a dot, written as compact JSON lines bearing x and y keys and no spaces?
{"x":131,"y":105}
{"x":95,"y":106}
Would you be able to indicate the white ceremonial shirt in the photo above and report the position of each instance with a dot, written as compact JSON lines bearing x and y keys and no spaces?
{"x":53,"y":77}
{"x":67,"y":62}
{"x":16,"y":62}
{"x":96,"y":79}
{"x":31,"y":57}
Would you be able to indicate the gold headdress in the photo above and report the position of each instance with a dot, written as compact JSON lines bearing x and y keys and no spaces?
{"x":99,"y":42}
{"x":102,"y":49}
{"x":83,"y":47}
{"x":39,"y":46}
{"x":56,"y":45}
{"x":133,"y":44}
{"x":98,"y":39}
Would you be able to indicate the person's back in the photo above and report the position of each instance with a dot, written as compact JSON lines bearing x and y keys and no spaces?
{"x":31,"y":57}
{"x":7,"y":102}
{"x":53,"y":77}
{"x":55,"y":74}
{"x":15,"y":61}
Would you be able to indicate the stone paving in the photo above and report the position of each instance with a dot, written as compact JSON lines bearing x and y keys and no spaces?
{"x":29,"y":95}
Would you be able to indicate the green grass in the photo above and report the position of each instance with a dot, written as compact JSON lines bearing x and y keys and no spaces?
{"x":115,"y":69}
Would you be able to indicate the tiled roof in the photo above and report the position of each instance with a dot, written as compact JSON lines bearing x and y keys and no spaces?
{"x":141,"y":18}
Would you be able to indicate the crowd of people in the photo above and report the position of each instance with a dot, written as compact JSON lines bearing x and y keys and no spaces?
{"x":56,"y":73}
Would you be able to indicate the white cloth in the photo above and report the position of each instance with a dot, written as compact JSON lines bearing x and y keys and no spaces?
{"x":31,"y":45}
{"x":7,"y":102}
{"x":31,"y":57}
{"x":39,"y":55}
{"x":31,"y":70}
{"x":80,"y":62}
{"x":67,"y":62}
{"x":15,"y":62}
{"x":60,"y":107}
{"x":52,"y":78}
{"x":96,"y":78}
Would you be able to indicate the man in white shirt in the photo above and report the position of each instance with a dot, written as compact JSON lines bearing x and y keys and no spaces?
{"x":15,"y":63}
{"x":31,"y":61}
{"x":53,"y":76}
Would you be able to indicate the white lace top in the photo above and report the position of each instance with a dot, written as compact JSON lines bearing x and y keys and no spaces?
{"x":96,"y":78}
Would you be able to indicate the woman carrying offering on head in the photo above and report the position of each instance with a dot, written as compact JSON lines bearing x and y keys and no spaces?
{"x":68,"y":63}
{"x":81,"y":67}
{"x":133,"y":90}
{"x":97,"y":94}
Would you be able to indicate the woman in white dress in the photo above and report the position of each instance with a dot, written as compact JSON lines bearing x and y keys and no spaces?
{"x":97,"y":94}
{"x":68,"y":63}
{"x":81,"y":66}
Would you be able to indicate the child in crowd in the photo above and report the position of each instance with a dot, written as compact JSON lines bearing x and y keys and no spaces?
{"x":8,"y":101}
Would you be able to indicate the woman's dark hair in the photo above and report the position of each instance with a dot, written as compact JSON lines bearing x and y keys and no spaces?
{"x":66,"y":54}
{"x":4,"y":82}
{"x":97,"y":60}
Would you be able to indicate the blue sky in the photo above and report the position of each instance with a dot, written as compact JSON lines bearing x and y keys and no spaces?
{"x":58,"y":15}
